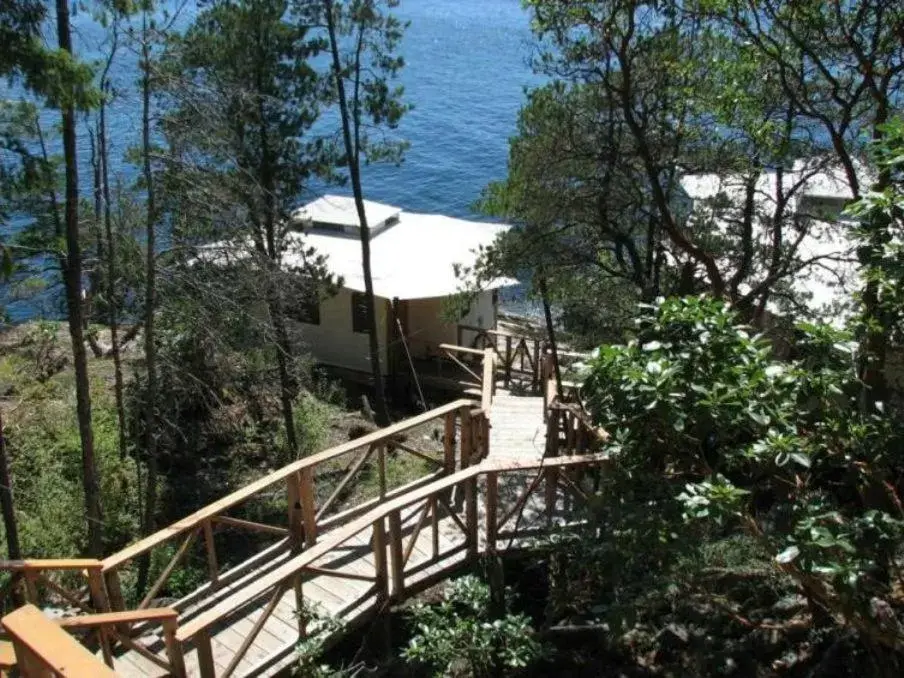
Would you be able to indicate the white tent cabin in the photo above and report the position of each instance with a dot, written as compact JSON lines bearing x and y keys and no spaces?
{"x":415,"y":261}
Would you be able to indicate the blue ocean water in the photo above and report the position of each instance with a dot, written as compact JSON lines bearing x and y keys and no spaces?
{"x":467,"y":65}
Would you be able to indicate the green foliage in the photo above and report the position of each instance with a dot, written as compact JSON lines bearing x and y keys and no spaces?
{"x":321,"y":628}
{"x":715,"y":437}
{"x":46,"y":467}
{"x":458,"y":636}
{"x":881,"y":213}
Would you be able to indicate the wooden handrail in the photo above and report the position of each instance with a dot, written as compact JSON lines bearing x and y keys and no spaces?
{"x":488,"y":383}
{"x":35,"y":565}
{"x":196,"y":519}
{"x":290,"y":568}
{"x":93,"y":621}
{"x":43,"y":647}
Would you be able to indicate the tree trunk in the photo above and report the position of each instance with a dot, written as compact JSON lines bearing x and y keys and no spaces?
{"x":72,"y":280}
{"x":10,"y":526}
{"x":150,"y":302}
{"x":354,"y":169}
{"x":551,"y":331}
{"x":112,"y":295}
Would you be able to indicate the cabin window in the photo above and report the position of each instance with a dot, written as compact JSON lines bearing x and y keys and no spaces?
{"x":359,"y":313}
{"x":307,"y":312}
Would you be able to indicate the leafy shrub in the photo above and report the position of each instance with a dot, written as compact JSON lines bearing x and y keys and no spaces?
{"x":459,"y":637}
{"x":714,"y":438}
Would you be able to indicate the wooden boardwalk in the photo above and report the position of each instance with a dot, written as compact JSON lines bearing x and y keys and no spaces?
{"x":493,"y":488}
{"x":517,"y":428}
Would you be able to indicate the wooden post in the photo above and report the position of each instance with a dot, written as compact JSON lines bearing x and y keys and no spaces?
{"x":98,"y":592}
{"x":293,"y":493}
{"x":104,"y":641}
{"x":213,"y":568}
{"x":449,"y":444}
{"x":173,"y":649}
{"x":395,"y":550}
{"x":492,"y":501}
{"x":381,"y":468}
{"x":379,"y":546}
{"x":483,"y":436}
{"x":31,"y":589}
{"x":298,"y":588}
{"x":508,"y":360}
{"x":536,"y":380}
{"x":552,"y":434}
{"x":308,"y":505}
{"x":434,"y":524}
{"x":114,"y":591}
{"x":471,"y":516}
{"x":27,"y":664}
{"x":384,"y":621}
{"x":206,"y":666}
{"x":552,"y":478}
{"x":467,"y":437}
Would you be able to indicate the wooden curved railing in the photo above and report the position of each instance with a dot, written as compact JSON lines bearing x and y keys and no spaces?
{"x":382,"y":528}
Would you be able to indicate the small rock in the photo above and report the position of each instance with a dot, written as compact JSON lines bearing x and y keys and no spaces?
{"x":790,"y":604}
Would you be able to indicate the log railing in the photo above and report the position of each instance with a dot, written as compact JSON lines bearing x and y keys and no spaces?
{"x":392,"y":546}
{"x":314,"y":493}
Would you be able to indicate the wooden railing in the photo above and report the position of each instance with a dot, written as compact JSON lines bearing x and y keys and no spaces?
{"x":75,"y":583}
{"x":313,"y":493}
{"x":569,"y":428}
{"x":381,"y":528}
{"x":44,"y":649}
{"x":316,"y":505}
{"x":517,"y":357}
{"x":480,"y":365}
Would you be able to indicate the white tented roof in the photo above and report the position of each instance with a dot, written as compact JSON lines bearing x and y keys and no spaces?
{"x":341,"y":211}
{"x":834,"y":271}
{"x":417,"y":257}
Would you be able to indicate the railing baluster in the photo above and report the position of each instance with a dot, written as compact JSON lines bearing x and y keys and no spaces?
{"x":509,"y":359}
{"x":298,"y":588}
{"x":97,"y":590}
{"x":104,"y":641}
{"x":308,"y":506}
{"x":434,"y":520}
{"x":552,"y":476}
{"x":213,"y":568}
{"x":31,"y":588}
{"x":397,"y":563}
{"x":205,"y":654}
{"x":293,"y":499}
{"x":492,"y":499}
{"x":381,"y":468}
{"x":168,"y":570}
{"x":173,"y":649}
{"x":379,"y":546}
{"x":471,"y":516}
{"x":449,"y":443}
{"x":114,"y":591}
